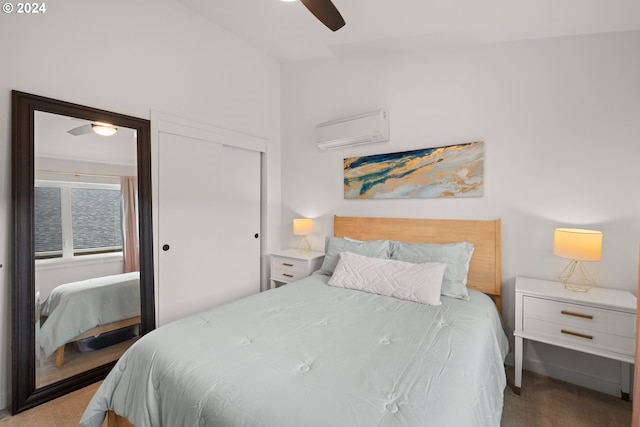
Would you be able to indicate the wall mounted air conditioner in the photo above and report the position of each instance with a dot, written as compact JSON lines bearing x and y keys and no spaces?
{"x":366,"y":128}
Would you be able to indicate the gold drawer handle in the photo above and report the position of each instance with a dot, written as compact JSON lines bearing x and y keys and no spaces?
{"x":569,"y":313}
{"x":575,"y":334}
{"x":286,"y":264}
{"x":287,"y":275}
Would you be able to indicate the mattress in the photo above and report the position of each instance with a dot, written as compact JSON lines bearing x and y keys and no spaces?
{"x":74,"y":308}
{"x":309,"y":354}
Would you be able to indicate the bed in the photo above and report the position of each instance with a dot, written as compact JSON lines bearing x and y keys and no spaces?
{"x":314,"y":353}
{"x":79,"y":310}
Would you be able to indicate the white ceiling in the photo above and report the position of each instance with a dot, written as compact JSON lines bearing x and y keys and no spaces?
{"x":289,"y":32}
{"x":52,"y":140}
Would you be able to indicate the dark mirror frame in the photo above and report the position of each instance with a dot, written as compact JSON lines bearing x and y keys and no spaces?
{"x":24,"y":392}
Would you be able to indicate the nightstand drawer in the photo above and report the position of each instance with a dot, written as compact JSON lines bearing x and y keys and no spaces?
{"x":559,"y":332}
{"x":287,"y":275}
{"x":288,"y":265}
{"x":578,"y":316}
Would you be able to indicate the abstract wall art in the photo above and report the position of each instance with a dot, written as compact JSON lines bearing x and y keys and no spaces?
{"x":451,"y":171}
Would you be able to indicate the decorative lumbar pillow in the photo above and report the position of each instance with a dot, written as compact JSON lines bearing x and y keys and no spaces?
{"x":404,"y":280}
{"x":456,"y":255}
{"x":335,"y":245}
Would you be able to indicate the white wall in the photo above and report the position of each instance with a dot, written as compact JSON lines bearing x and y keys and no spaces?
{"x":131,"y":58}
{"x":561,"y":123}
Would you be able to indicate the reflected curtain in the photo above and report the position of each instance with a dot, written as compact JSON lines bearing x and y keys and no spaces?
{"x":129,"y":206}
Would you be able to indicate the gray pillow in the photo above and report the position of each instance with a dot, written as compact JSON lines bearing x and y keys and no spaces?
{"x":456,"y":255}
{"x":334,"y":245}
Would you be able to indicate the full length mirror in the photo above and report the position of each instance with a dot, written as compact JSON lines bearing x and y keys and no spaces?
{"x":83,"y":284}
{"x":86,"y":245}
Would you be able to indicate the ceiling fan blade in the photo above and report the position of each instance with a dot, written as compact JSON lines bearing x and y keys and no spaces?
{"x":80,"y":130}
{"x":326,"y":13}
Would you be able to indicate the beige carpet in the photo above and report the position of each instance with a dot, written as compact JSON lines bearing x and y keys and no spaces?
{"x":62,"y":412}
{"x":544,"y":402}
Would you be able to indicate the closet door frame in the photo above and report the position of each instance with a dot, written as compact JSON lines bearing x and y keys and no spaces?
{"x":162,"y":122}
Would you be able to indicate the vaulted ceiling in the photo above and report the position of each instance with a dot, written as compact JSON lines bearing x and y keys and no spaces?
{"x":289,"y":32}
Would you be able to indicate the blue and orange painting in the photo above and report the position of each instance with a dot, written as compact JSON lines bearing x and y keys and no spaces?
{"x":451,"y":171}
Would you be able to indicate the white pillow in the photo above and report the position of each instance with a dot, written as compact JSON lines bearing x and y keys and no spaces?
{"x":404,"y":280}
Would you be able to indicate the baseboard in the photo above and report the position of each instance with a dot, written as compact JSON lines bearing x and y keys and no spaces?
{"x":4,"y":404}
{"x":582,"y":379}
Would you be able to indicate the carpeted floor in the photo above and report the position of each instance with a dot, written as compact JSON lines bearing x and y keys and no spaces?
{"x":544,"y":403}
{"x":62,"y":412}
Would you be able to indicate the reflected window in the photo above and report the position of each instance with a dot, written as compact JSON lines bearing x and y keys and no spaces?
{"x":48,"y":222}
{"x":95,"y":220}
{"x":73,"y":220}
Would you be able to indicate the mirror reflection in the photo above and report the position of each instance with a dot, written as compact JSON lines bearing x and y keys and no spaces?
{"x":87,"y":280}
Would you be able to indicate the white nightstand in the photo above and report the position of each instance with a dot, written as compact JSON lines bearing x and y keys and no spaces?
{"x":601,"y":322}
{"x":292,"y":264}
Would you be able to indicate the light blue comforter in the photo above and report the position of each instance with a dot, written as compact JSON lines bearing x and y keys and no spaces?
{"x":308,"y":354}
{"x":74,"y":308}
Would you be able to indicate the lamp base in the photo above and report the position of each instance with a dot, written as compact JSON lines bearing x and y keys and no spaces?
{"x":304,"y":245}
{"x":576,"y":270}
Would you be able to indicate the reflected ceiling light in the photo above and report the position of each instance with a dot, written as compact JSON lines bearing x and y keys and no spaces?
{"x":104,"y":129}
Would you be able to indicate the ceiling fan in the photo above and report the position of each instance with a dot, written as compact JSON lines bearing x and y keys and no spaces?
{"x":326,"y":13}
{"x":104,"y":129}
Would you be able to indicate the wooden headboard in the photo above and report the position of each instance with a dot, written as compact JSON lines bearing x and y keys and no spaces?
{"x":485,"y":268}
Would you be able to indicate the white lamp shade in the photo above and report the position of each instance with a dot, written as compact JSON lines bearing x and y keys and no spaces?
{"x":577,"y":244}
{"x":302,"y":226}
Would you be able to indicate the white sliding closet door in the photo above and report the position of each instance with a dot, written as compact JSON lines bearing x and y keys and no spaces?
{"x":209,"y":224}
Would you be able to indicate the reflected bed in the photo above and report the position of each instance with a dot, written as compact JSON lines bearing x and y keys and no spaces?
{"x":79,"y":310}
{"x":313,"y":354}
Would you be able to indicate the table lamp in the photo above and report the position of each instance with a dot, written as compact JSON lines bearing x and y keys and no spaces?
{"x":303,"y":227}
{"x":578,"y":245}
